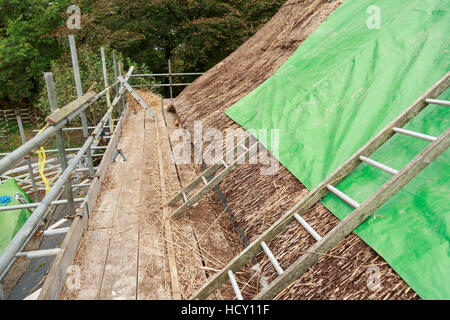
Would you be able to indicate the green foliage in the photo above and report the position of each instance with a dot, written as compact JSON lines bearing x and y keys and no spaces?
{"x":28,"y":43}
{"x":194,"y":34}
{"x":90,"y":71}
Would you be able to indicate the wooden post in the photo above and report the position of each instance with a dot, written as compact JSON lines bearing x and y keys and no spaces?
{"x":6,"y":120}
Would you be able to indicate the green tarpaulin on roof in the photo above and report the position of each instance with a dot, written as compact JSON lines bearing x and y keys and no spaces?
{"x":344,"y":84}
{"x":11,"y":221}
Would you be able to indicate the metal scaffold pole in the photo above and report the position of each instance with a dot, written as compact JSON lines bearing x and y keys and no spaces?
{"x":105,"y":78}
{"x":59,"y":138}
{"x":76,"y":71}
{"x":30,"y":167}
{"x":170,"y":80}
{"x":13,"y":157}
{"x":120,"y":75}
{"x":30,"y":226}
{"x":115,"y":77}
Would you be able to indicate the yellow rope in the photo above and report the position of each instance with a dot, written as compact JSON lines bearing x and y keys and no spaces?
{"x":41,"y":163}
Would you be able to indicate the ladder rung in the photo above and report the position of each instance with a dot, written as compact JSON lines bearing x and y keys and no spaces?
{"x":353,"y":220}
{"x":378,"y":165}
{"x":343,"y":196}
{"x":415,"y":134}
{"x":224,"y":163}
{"x":271,"y":257}
{"x":235,"y":286}
{"x":438,"y":102}
{"x":204,"y":180}
{"x":243,"y":147}
{"x":215,"y":180}
{"x":209,"y":172}
{"x":57,"y":224}
{"x":308,"y":227}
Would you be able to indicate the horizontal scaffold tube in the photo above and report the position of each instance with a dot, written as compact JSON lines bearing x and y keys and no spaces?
{"x":34,"y":143}
{"x":166,"y":74}
{"x":16,"y":243}
{"x":35,"y":205}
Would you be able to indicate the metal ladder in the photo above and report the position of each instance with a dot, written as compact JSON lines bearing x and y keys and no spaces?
{"x":360,"y":213}
{"x":125,"y":85}
{"x":208,"y":174}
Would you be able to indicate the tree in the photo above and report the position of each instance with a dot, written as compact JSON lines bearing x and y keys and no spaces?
{"x":194,"y":34}
{"x":90,"y":71}
{"x":28,"y":43}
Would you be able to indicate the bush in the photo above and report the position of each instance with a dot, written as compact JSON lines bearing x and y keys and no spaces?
{"x":90,"y":70}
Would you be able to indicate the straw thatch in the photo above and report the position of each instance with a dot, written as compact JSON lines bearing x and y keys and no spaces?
{"x":256,"y":200}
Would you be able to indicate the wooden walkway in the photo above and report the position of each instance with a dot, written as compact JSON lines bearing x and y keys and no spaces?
{"x":130,"y":251}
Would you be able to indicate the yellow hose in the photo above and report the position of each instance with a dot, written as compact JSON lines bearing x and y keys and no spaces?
{"x":41,"y":163}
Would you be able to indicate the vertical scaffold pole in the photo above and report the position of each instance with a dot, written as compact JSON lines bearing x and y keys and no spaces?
{"x":170,"y":80}
{"x":30,"y":167}
{"x":115,"y":77}
{"x":120,"y":74}
{"x":59,"y":139}
{"x":76,"y":72}
{"x":105,"y":78}
{"x":2,"y":293}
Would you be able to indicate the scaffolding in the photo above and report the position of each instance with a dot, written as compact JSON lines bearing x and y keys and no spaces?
{"x":61,"y":168}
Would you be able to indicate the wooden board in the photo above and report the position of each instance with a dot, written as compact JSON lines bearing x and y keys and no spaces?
{"x":175,"y":285}
{"x":92,"y":268}
{"x":119,"y":280}
{"x":120,"y":273}
{"x":139,"y":255}
{"x":62,"y":113}
{"x":153,"y":276}
{"x":54,"y":282}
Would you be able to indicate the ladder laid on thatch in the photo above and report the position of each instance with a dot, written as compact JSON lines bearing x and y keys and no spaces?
{"x":361,"y":211}
{"x":209,"y":180}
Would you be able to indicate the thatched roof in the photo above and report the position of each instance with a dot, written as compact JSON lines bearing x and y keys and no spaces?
{"x":256,"y":200}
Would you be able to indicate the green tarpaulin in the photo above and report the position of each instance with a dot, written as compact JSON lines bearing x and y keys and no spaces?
{"x":344,"y":84}
{"x":11,"y":221}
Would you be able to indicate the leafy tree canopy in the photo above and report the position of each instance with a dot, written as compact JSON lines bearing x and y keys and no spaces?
{"x":194,"y":34}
